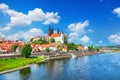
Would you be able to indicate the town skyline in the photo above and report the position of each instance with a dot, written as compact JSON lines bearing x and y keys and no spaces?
{"x":95,"y":24}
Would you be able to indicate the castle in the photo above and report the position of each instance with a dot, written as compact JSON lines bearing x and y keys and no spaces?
{"x":58,"y":36}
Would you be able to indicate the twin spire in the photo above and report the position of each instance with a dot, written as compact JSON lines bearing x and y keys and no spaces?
{"x":51,"y":30}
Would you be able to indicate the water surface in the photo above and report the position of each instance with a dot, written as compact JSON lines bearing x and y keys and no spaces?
{"x":96,"y":67}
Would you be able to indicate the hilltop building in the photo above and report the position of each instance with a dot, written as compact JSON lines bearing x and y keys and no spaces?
{"x":58,"y":36}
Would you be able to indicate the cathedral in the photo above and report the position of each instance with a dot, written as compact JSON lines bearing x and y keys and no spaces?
{"x":58,"y":36}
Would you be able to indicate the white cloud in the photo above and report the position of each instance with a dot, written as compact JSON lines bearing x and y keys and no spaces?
{"x":117,"y":11}
{"x":7,"y":28}
{"x":100,"y":41}
{"x":34,"y":32}
{"x":77,"y":30}
{"x":2,"y":35}
{"x":90,"y":30}
{"x":115,"y":38}
{"x":3,"y":6}
{"x":85,"y":39}
{"x":19,"y":18}
{"x":78,"y":27}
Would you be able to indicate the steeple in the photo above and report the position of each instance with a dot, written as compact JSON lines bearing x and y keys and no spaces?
{"x":49,"y":30}
{"x":58,"y":31}
{"x":52,"y":30}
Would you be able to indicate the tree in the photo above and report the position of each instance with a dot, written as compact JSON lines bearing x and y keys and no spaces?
{"x":31,"y":39}
{"x":52,"y":40}
{"x":72,"y":46}
{"x":47,"y":49}
{"x":26,"y":50}
{"x":90,"y":48}
{"x":14,"y":47}
{"x":97,"y":49}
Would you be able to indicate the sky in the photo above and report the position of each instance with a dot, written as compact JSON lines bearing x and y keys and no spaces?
{"x":87,"y":22}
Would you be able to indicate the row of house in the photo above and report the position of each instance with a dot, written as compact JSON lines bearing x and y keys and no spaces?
{"x":6,"y":46}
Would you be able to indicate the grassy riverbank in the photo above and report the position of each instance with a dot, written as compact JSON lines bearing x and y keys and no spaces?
{"x":12,"y":63}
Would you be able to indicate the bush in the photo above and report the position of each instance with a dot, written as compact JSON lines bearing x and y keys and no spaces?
{"x":52,"y":40}
{"x":14,"y":47}
{"x":26,"y":50}
{"x":47,"y":49}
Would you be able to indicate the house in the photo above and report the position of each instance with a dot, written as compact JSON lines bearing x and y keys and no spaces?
{"x":58,"y":37}
{"x":37,"y":47}
{"x":83,"y":48}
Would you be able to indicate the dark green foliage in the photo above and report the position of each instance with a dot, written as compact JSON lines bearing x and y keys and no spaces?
{"x":97,"y":49}
{"x":14,"y":47}
{"x":92,"y":48}
{"x":72,"y":46}
{"x":47,"y":49}
{"x":31,"y":39}
{"x":41,"y":41}
{"x":26,"y":50}
{"x":52,"y":40}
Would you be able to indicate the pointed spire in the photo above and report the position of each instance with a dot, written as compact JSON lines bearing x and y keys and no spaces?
{"x":58,"y":31}
{"x":49,"y":30}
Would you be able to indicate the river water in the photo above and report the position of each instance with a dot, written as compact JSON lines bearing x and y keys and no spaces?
{"x":96,"y":67}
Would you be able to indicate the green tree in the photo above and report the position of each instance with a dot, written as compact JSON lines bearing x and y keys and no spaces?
{"x":31,"y":39}
{"x":26,"y":50}
{"x":97,"y":49}
{"x":47,"y":49}
{"x":72,"y":46}
{"x":14,"y":47}
{"x":52,"y":40}
{"x":90,"y":48}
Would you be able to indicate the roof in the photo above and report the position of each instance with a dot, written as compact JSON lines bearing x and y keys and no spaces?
{"x":80,"y":47}
{"x":53,"y":35}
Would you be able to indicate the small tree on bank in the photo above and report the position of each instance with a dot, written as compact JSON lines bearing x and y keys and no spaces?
{"x":26,"y":50}
{"x":14,"y":47}
{"x":47,"y":49}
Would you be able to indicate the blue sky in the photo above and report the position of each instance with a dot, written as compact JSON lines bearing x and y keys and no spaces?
{"x":86,"y":22}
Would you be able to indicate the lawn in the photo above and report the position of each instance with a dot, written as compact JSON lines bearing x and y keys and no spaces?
{"x":7,"y":64}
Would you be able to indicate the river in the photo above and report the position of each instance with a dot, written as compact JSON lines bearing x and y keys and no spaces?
{"x":96,"y":67}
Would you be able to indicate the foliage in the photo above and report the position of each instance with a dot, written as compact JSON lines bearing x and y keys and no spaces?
{"x":97,"y":49}
{"x":72,"y":46}
{"x":52,"y":40}
{"x":26,"y":50}
{"x":60,"y":48}
{"x":92,"y":48}
{"x":31,"y":39}
{"x":14,"y":47}
{"x":47,"y":49}
{"x":41,"y":41}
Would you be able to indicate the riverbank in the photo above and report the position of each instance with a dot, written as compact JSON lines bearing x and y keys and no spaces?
{"x":12,"y":64}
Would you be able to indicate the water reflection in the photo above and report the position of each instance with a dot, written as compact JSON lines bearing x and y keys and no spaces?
{"x":25,"y":73}
{"x":97,"y":67}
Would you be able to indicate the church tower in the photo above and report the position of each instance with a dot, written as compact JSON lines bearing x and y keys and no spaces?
{"x":49,"y":31}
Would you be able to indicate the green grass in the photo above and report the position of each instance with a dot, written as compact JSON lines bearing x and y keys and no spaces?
{"x":115,"y":50}
{"x":7,"y":64}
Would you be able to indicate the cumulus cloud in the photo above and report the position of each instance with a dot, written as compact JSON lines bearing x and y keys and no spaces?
{"x":117,"y":11}
{"x":90,"y":30}
{"x":19,"y":18}
{"x":34,"y":32}
{"x":100,"y":41}
{"x":114,"y":38}
{"x":77,"y":30}
{"x":85,"y":39}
